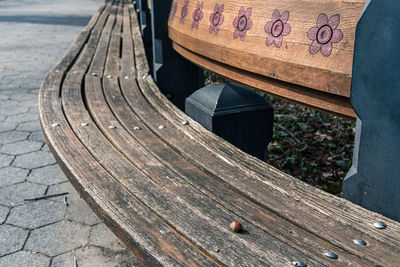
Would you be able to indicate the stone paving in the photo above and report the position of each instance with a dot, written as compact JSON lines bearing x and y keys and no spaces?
{"x":59,"y":231}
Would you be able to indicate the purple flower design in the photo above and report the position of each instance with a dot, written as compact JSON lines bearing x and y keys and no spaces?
{"x":325,"y":34}
{"x":242,"y":23}
{"x":184,"y":12}
{"x":216,"y":18}
{"x":277,"y":28}
{"x":174,"y":9}
{"x":197,"y":15}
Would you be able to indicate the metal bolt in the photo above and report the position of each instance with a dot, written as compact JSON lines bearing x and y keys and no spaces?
{"x":144,"y":76}
{"x":127,"y":77}
{"x":57,"y":70}
{"x":134,"y":2}
{"x":109,"y":76}
{"x":299,"y":264}
{"x":331,"y":255}
{"x":380,"y":225}
{"x":112,"y":126}
{"x":84,"y":124}
{"x":137,"y":10}
{"x":360,"y":242}
{"x":161,"y":127}
{"x":55,"y":125}
{"x":75,"y":72}
{"x":185,"y":122}
{"x":137,"y":128}
{"x":94,"y":74}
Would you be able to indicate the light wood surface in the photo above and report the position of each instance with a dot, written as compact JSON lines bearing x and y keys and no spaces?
{"x":295,"y":60}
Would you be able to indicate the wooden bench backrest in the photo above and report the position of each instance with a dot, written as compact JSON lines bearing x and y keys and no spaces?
{"x":300,"y":50}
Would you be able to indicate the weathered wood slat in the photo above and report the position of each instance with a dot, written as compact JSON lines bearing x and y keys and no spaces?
{"x":151,"y":193}
{"x":170,"y":194}
{"x":154,"y":242}
{"x":288,"y":192}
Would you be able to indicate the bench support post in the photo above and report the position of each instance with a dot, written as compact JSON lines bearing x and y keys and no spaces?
{"x":374,"y":179}
{"x":176,"y":76}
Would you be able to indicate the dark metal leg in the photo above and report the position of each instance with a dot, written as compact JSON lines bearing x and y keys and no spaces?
{"x":374,"y":179}
{"x":176,"y":77}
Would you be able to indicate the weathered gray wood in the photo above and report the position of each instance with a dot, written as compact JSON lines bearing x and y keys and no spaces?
{"x":170,"y":194}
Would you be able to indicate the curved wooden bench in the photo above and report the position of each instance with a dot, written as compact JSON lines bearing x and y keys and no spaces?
{"x":168,"y":188}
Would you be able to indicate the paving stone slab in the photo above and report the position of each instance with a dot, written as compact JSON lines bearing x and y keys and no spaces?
{"x":21,"y":97}
{"x":58,"y":238}
{"x":3,"y":214}
{"x":97,"y":257}
{"x":12,"y":137}
{"x":12,"y":175}
{"x":5,"y":160}
{"x":103,"y":237}
{"x":12,"y":239}
{"x":16,"y":194}
{"x":37,"y":136}
{"x":21,"y":147}
{"x":37,"y":214}
{"x":64,"y":260}
{"x":34,"y":160}
{"x":28,"y":116}
{"x":30,"y":126}
{"x":25,"y":259}
{"x":64,"y":188}
{"x":48,"y":175}
{"x":6,"y":126}
{"x":13,"y":110}
{"x":79,"y":211}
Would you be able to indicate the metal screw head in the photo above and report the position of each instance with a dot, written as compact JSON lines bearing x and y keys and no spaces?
{"x":134,"y":2}
{"x":55,"y":125}
{"x":94,"y":74}
{"x":331,"y":255}
{"x":109,"y":76}
{"x":84,"y":124}
{"x":137,"y":10}
{"x":299,"y":264}
{"x":75,"y":72}
{"x":112,"y":126}
{"x":185,"y":122}
{"x":57,"y":70}
{"x":360,"y":242}
{"x":144,"y":76}
{"x":380,"y":225}
{"x":127,"y":77}
{"x":137,"y":128}
{"x":161,"y":127}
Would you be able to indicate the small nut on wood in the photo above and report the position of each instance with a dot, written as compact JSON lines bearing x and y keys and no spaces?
{"x":236,"y":227}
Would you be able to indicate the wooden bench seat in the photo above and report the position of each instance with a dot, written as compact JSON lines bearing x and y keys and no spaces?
{"x":167,"y":187}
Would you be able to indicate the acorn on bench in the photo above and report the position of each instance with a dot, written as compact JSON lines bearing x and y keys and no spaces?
{"x":170,"y":193}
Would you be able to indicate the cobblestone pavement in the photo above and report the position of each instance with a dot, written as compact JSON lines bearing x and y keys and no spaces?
{"x":60,"y":231}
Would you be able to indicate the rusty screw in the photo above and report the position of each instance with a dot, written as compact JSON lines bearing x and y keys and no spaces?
{"x":236,"y":227}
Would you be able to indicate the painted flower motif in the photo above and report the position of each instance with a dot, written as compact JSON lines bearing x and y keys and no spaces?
{"x":216,"y":18}
{"x":184,"y":12}
{"x":325,"y":34}
{"x":242,"y":23}
{"x":197,"y":15}
{"x":277,"y":28}
{"x":174,"y":9}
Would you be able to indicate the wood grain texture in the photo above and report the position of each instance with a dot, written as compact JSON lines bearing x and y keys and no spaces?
{"x":172,"y":206}
{"x":334,"y":104}
{"x":292,"y":62}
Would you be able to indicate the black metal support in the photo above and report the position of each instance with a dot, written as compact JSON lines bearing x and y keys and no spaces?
{"x":176,"y":77}
{"x":239,"y":115}
{"x":374,"y":179}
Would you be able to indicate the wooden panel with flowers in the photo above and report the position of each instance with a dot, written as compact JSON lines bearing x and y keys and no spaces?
{"x":303,"y":42}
